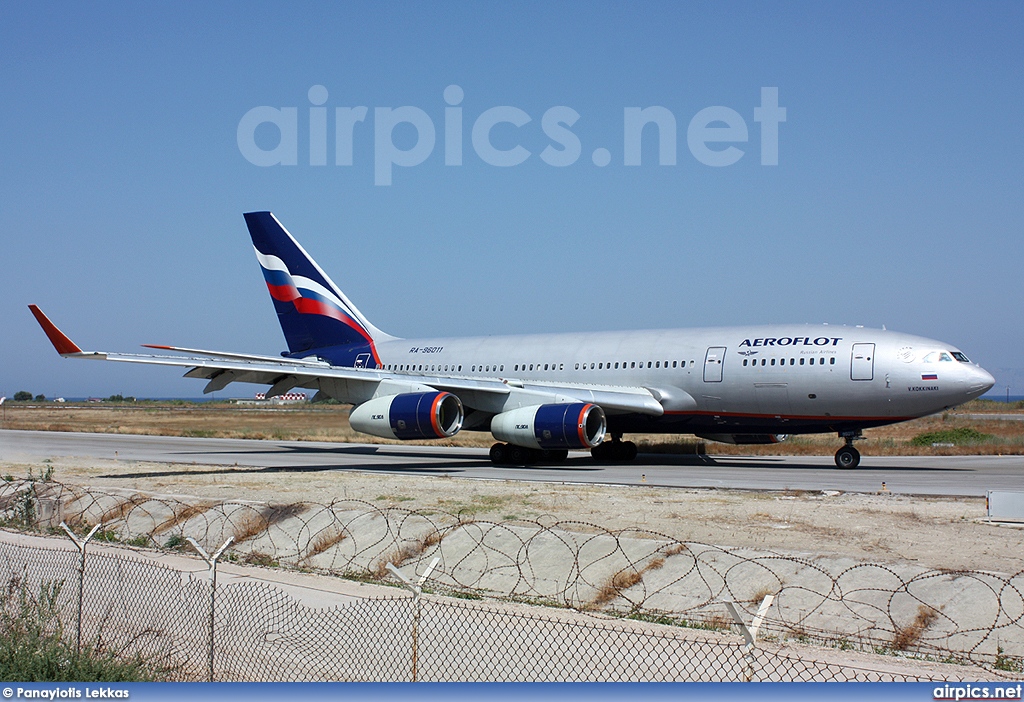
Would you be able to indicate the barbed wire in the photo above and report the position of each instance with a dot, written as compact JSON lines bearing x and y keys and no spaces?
{"x":945,"y":614}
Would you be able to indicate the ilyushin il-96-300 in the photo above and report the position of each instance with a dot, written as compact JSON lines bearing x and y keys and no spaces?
{"x":543,"y":395}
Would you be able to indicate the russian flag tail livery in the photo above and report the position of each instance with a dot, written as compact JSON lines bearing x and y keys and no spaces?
{"x":316,"y":317}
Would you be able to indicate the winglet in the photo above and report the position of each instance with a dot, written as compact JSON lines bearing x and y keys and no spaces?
{"x":62,"y":343}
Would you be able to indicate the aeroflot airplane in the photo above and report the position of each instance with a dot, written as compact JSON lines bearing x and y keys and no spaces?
{"x":542,"y":395}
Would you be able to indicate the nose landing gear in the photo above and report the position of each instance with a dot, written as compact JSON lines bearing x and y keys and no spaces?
{"x":848,"y":456}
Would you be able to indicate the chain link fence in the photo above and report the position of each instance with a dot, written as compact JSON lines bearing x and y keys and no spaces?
{"x":137,"y":608}
{"x":252,"y":631}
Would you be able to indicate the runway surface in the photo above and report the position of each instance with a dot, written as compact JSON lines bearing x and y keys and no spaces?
{"x":946,"y":475}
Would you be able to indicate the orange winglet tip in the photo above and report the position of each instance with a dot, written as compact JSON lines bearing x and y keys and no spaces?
{"x":60,"y":341}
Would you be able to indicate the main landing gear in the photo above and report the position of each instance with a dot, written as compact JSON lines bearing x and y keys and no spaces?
{"x":848,"y":456}
{"x":614,"y":451}
{"x":512,"y":455}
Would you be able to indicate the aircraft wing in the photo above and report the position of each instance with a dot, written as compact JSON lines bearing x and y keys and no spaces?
{"x":283,"y":374}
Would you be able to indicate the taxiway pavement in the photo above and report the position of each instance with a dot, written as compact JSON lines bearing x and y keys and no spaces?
{"x":921,"y":475}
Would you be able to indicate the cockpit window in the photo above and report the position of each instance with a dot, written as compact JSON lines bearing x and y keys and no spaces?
{"x":945,"y":357}
{"x":931,"y":357}
{"x":960,"y":357}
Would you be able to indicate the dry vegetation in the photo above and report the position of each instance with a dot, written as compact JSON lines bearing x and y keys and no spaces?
{"x":906,"y":637}
{"x":330,"y":423}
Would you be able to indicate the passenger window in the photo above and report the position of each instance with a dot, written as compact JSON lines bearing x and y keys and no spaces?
{"x":773,"y":361}
{"x":832,"y":361}
{"x":744,"y":361}
{"x":633,"y":364}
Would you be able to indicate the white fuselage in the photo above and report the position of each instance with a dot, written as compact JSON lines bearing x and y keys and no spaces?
{"x":785,"y":379}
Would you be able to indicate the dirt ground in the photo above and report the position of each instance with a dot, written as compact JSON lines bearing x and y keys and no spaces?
{"x":932,"y":532}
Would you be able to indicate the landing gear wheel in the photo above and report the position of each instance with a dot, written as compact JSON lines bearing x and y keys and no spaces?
{"x":609,"y":452}
{"x":519,"y":456}
{"x":556,"y":455}
{"x":628,"y":451}
{"x":847,"y":457}
{"x":499,"y":454}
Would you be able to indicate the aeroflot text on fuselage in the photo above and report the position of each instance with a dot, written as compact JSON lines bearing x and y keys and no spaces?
{"x":711,"y":134}
{"x":793,"y":341}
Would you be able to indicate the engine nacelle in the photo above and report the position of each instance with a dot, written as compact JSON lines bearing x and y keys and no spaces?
{"x":745,"y":438}
{"x":419,"y":415}
{"x":577,"y":425}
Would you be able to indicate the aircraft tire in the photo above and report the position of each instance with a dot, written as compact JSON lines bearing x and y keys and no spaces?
{"x":519,"y":456}
{"x":847,"y":457}
{"x":499,"y":454}
{"x":614,"y":451}
{"x":628,"y":451}
{"x":556,"y":455}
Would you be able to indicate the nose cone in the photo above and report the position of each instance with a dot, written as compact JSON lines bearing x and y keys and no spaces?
{"x":979,"y":381}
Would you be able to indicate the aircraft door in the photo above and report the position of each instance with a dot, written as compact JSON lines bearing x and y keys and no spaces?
{"x":862,"y":362}
{"x":713,"y":362}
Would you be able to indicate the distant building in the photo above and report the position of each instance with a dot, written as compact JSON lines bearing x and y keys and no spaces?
{"x":289,"y":398}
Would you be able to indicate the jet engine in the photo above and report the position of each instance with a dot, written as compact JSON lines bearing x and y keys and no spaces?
{"x":420,"y":415}
{"x":745,"y":438}
{"x":577,"y":425}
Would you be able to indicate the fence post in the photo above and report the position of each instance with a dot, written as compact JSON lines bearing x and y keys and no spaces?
{"x":750,"y":633}
{"x":417,"y":590}
{"x":80,"y":543}
{"x":211,"y":562}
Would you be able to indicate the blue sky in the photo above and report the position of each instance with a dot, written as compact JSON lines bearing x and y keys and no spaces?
{"x":896,"y":199}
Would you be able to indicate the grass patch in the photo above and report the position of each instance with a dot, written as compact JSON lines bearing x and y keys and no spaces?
{"x":182,"y":514}
{"x":961,"y":436}
{"x":406,"y":552}
{"x":323,"y":541}
{"x":906,"y":636}
{"x":34,"y":646}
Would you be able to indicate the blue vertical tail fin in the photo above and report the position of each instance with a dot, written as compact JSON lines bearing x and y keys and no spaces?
{"x":315,"y":315}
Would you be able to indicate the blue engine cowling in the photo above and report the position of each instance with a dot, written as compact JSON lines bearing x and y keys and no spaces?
{"x":419,"y":415}
{"x":577,"y":425}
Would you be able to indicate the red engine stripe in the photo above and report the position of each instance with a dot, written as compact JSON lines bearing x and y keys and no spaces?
{"x":433,"y":415}
{"x":581,"y":426}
